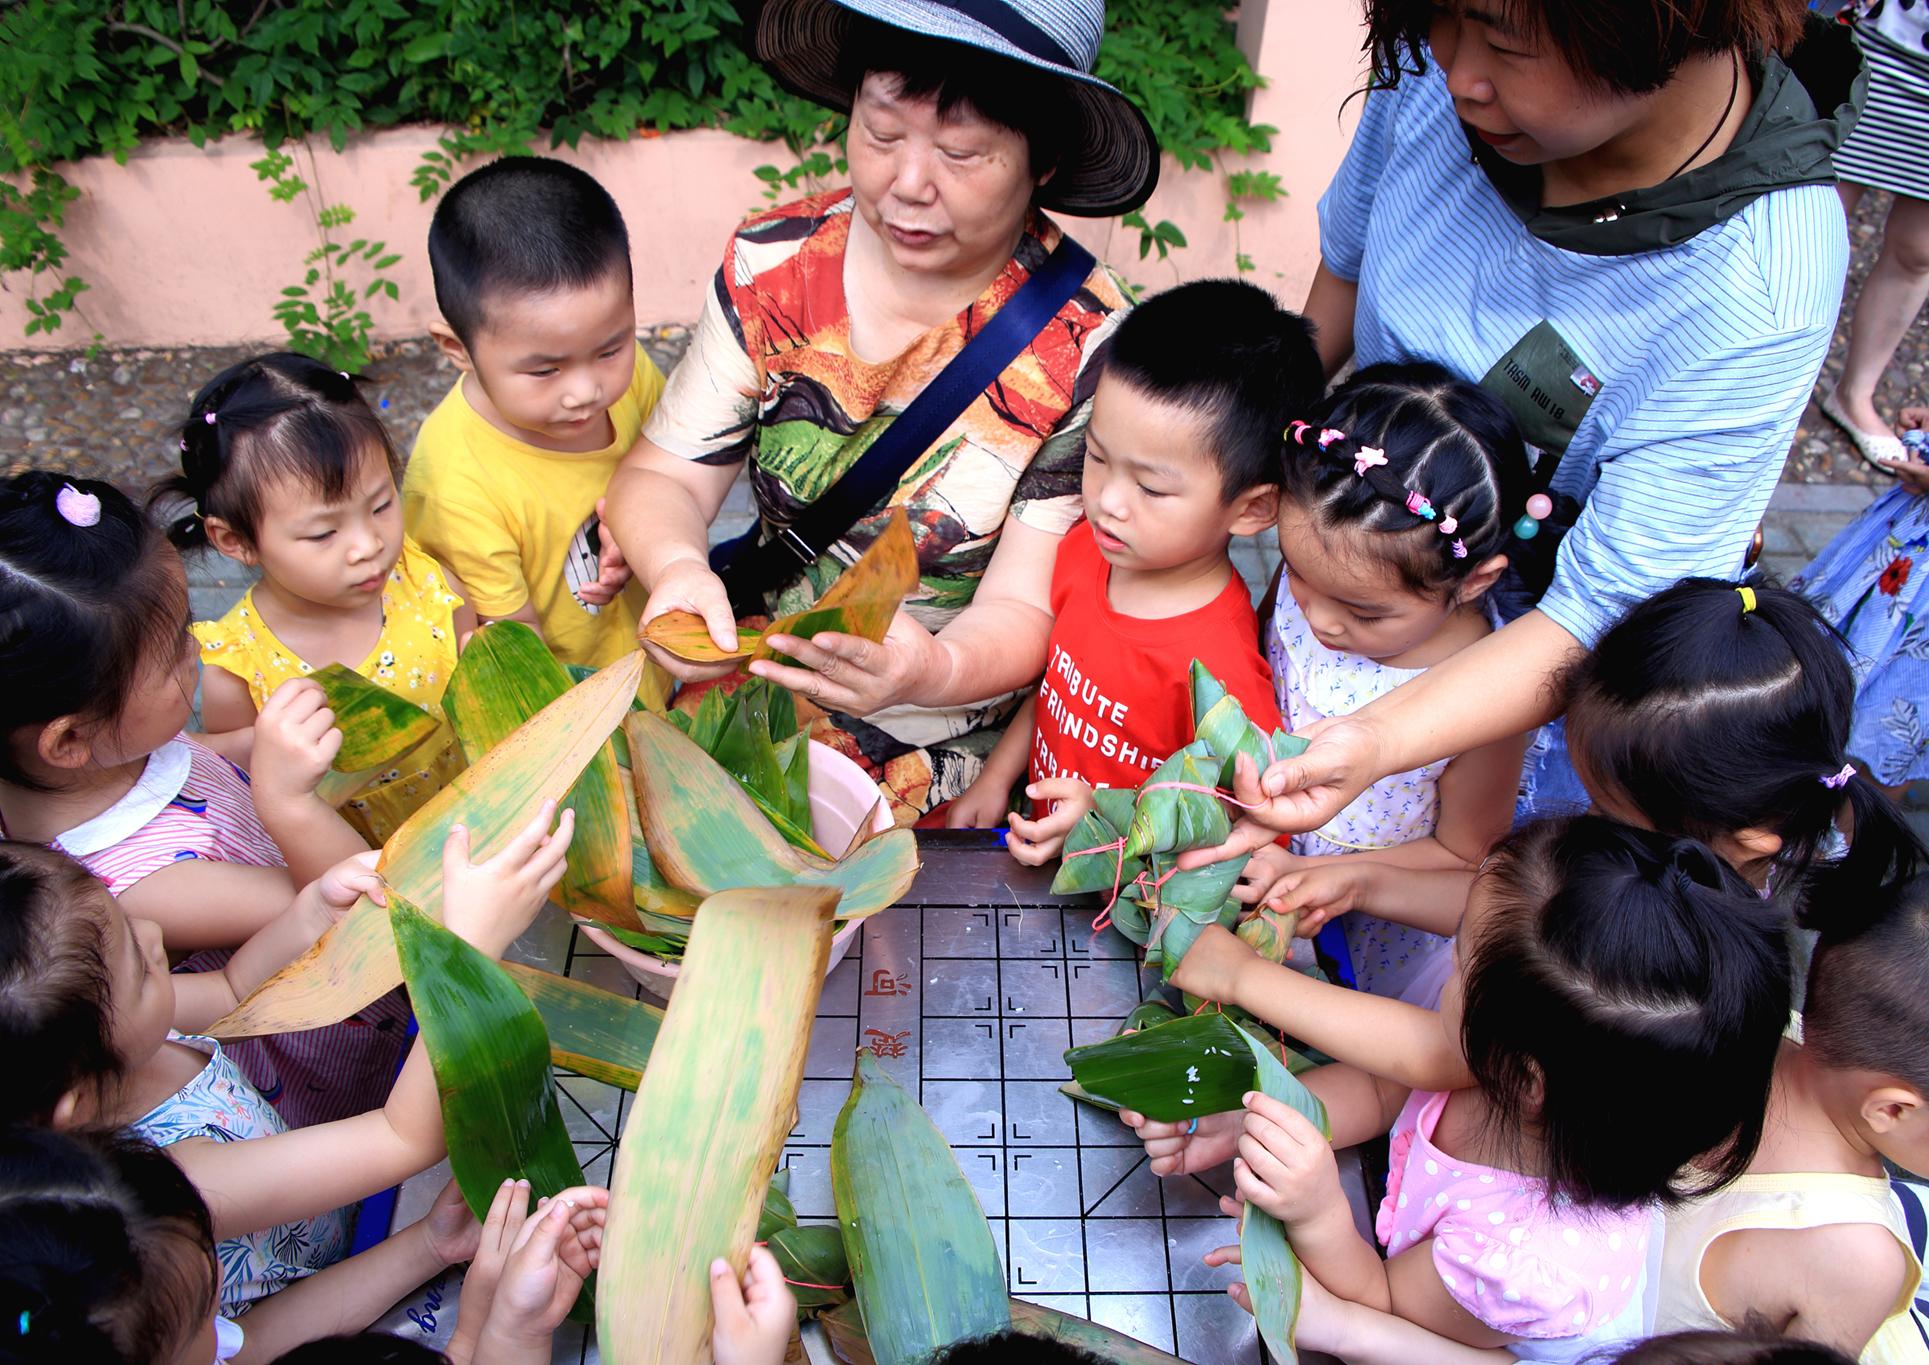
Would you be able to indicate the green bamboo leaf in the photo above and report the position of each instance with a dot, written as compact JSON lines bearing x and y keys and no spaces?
{"x":778,"y":1211}
{"x":506,"y":675}
{"x":1267,"y":1264}
{"x":377,"y":726}
{"x":1178,"y":1070}
{"x":354,"y":963}
{"x":1171,"y":819}
{"x":1116,"y":805}
{"x":813,"y":1261}
{"x":1080,"y":870}
{"x":1147,"y":1013}
{"x":710,"y":1118}
{"x":593,"y":1032}
{"x":793,"y":756}
{"x":922,"y":1259}
{"x":705,"y":834}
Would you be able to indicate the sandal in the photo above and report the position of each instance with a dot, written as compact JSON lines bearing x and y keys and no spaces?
{"x":1877,"y":449}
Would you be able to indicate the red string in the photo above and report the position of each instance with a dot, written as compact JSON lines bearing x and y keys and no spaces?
{"x":805,"y":1284}
{"x":1219,"y":792}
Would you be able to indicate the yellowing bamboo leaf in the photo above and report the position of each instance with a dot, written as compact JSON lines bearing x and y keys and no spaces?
{"x":684,"y":634}
{"x":865,"y":596}
{"x":710,"y":1119}
{"x":504,"y":677}
{"x":354,"y":962}
{"x":593,"y":1032}
{"x":704,"y":834}
{"x":377,"y":726}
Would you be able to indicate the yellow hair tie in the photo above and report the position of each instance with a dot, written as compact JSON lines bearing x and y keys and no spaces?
{"x":1747,"y":599}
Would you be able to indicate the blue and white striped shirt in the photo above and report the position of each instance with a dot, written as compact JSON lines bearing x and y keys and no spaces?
{"x":1706,"y":351}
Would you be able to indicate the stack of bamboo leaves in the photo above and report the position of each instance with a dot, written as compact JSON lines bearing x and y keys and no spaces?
{"x":1128,"y":846}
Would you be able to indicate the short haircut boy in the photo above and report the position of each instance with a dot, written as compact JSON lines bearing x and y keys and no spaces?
{"x":525,"y":225}
{"x":1227,"y":351}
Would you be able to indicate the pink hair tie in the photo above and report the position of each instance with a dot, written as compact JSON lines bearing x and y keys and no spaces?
{"x":1840,"y":779}
{"x":208,"y":417}
{"x":1366,"y":457}
{"x":1449,"y":526}
{"x":1298,"y":430}
{"x":1327,"y":436}
{"x":77,"y":508}
{"x":1460,"y":549}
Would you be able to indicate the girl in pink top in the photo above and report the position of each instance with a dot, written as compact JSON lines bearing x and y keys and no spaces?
{"x":1619,"y":998}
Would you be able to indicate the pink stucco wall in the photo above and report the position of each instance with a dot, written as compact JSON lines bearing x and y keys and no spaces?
{"x":182,"y":246}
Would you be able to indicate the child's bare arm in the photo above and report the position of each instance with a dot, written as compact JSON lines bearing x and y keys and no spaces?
{"x":1401,"y":1042}
{"x":202,"y":904}
{"x":986,"y":801}
{"x":226,"y":703}
{"x":1477,"y":798}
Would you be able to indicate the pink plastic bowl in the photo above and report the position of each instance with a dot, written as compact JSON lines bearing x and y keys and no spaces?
{"x":842,"y":798}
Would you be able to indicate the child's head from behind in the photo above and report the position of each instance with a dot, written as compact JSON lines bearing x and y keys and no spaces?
{"x":1183,"y":447}
{"x":1753,"y":1345}
{"x":1399,"y":497}
{"x":84,"y":990}
{"x":291,"y":472}
{"x":1607,"y":974}
{"x":94,"y":647}
{"x":1722,"y":713}
{"x":1015,"y":1348}
{"x":1866,"y":1013}
{"x":106,"y":1253}
{"x":532,"y":274}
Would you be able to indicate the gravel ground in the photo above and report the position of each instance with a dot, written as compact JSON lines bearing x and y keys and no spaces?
{"x":113,"y":416}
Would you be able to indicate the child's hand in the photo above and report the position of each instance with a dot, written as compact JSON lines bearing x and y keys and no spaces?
{"x":1262,"y":874}
{"x":348,"y":881}
{"x":495,"y":1235}
{"x":612,"y":570}
{"x":1230,"y":1256}
{"x":1036,"y":842}
{"x":491,"y":903}
{"x":537,"y":1284}
{"x":1212,"y":965}
{"x":1179,"y":1149}
{"x":451,"y":1231}
{"x":295,"y":741}
{"x":1285,"y":1165}
{"x":1323,"y":891}
{"x":982,"y":805}
{"x":755,"y":1320}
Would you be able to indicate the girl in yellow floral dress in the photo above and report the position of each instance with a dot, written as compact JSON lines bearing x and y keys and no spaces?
{"x":290,"y":472}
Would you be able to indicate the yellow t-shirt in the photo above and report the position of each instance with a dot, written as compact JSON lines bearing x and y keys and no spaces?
{"x":516,"y":523}
{"x":413,"y":658}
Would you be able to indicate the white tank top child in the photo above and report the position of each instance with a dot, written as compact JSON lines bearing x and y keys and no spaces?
{"x":1314,"y":683}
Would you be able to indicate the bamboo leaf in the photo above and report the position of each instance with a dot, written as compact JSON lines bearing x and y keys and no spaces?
{"x":1178,"y":1070}
{"x":710,"y":1119}
{"x":704,"y":834}
{"x":812,"y":1259}
{"x":377,"y":726}
{"x":1171,"y":819}
{"x":506,"y":675}
{"x":922,"y":1259}
{"x":593,"y":1032}
{"x":354,"y":963}
{"x":683,"y":634}
{"x":1206,"y":691}
{"x":1267,"y":1264}
{"x":865,"y":596}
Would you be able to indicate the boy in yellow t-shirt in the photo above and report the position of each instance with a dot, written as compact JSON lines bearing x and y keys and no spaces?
{"x":505,"y":486}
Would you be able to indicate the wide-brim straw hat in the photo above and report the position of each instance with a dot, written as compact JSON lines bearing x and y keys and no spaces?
{"x":1111,"y":160}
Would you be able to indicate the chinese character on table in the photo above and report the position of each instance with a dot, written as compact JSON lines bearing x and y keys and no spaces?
{"x":883,"y":982}
{"x":884,"y":1044}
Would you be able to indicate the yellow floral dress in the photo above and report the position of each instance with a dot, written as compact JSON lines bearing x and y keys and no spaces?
{"x":413,"y":658}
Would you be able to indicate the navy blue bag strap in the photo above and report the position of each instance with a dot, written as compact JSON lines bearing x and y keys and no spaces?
{"x":750,"y":567}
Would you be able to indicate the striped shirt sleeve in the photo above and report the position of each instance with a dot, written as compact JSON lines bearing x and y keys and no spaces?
{"x":1348,"y":202}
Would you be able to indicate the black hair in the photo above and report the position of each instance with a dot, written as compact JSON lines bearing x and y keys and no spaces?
{"x":363,"y":1348}
{"x":1450,"y":441}
{"x":1009,"y":93}
{"x":277,"y":416}
{"x":56,"y":987}
{"x":1866,"y":1007}
{"x":1014,"y":1347}
{"x":1756,"y":1344}
{"x":521,"y":225}
{"x":1711,"y":717}
{"x":1615,"y":963}
{"x":1226,"y":351}
{"x":1625,"y":46}
{"x":85,"y":611}
{"x":106,"y":1252}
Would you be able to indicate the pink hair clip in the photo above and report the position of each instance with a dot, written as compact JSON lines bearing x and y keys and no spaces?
{"x":1298,"y":430}
{"x":1327,"y":436}
{"x":1418,"y":505}
{"x":1840,"y":779}
{"x":1449,"y":526}
{"x":208,"y":417}
{"x":77,"y":508}
{"x":1366,"y":457}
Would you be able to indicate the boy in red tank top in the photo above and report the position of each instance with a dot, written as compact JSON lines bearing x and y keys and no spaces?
{"x":1182,"y":454}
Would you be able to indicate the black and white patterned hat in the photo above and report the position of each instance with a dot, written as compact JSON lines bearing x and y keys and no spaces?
{"x":1111,"y":160}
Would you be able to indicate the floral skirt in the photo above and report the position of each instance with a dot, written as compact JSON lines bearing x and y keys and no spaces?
{"x":1869,"y":582}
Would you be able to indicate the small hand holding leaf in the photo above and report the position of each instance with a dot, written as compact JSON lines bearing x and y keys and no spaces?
{"x":348,"y":881}
{"x":490,"y":903}
{"x":1211,"y":967}
{"x":452,"y":1232}
{"x":1065,"y":801}
{"x":755,"y":1319}
{"x":295,"y":741}
{"x":1285,"y":1165}
{"x":1178,"y":1149}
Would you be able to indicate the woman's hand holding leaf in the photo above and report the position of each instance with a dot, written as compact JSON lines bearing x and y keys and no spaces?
{"x":1036,"y":842}
{"x":490,"y":903}
{"x":856,"y":676}
{"x":1177,"y":1151}
{"x":1285,"y":1165}
{"x":755,"y":1319}
{"x":690,"y":585}
{"x":1213,"y":966}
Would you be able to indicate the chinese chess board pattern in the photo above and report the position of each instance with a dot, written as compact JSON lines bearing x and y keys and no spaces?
{"x":968,"y":994}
